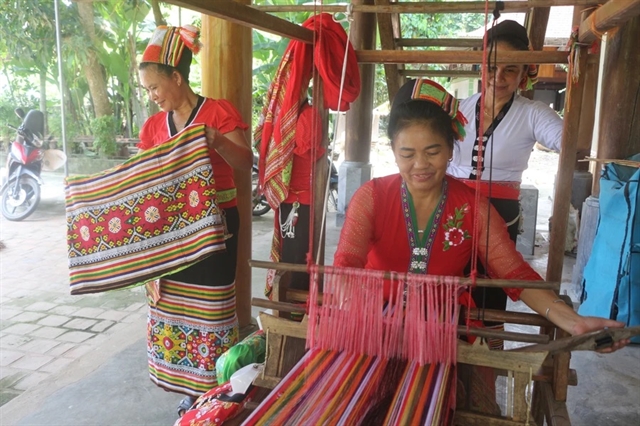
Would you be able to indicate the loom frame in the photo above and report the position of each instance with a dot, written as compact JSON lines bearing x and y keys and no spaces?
{"x":286,"y":340}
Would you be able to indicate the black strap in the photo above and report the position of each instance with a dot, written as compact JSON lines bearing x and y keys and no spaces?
{"x":487,"y":134}
{"x":172,"y":126}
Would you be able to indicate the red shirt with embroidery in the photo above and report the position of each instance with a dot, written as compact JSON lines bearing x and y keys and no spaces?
{"x":374,"y":235}
{"x":219,"y":114}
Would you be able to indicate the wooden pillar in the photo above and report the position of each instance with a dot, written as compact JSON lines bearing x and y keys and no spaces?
{"x":226,"y":60}
{"x":619,"y":135}
{"x":588,"y":107}
{"x":537,"y":29}
{"x":359,"y":117}
{"x":587,"y":115}
{"x":566,"y":166}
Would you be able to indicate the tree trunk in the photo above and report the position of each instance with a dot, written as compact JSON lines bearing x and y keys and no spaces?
{"x":157,"y":13}
{"x":93,"y":70}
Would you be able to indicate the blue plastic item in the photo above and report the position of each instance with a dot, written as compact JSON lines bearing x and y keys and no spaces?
{"x":611,"y":282}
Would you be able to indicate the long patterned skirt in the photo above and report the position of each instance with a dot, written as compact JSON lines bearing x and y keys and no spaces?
{"x":187,"y":331}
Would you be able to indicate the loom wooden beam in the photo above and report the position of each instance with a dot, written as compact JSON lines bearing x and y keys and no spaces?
{"x":262,"y":264}
{"x":427,"y":7}
{"x":555,"y":412}
{"x":493,"y":315}
{"x":247,"y":16}
{"x":388,"y":42}
{"x":457,"y":57}
{"x":612,"y":14}
{"x":468,"y":418}
{"x":536,"y":24}
{"x":439,"y":42}
{"x":463,"y":331}
{"x":440,"y":73}
{"x":482,"y":356}
{"x":566,"y":167}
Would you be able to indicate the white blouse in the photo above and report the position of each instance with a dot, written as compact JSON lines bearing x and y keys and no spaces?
{"x":508,"y":150}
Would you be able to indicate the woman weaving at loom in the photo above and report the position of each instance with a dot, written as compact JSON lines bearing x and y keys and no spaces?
{"x":422,"y":221}
{"x":192,"y":317}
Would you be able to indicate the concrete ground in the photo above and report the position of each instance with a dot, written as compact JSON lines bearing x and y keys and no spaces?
{"x":81,"y":360}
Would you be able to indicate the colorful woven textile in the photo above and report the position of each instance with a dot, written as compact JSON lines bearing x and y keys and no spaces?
{"x":338,"y":388}
{"x":151,"y":216}
{"x":187,"y":331}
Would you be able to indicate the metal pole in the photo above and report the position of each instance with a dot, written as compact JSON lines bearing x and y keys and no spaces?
{"x":61,"y":82}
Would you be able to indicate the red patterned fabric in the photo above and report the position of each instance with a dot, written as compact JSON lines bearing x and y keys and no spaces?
{"x":217,"y":113}
{"x":151,"y":216}
{"x":374,"y":234}
{"x":215,"y":407}
{"x":275,"y":134}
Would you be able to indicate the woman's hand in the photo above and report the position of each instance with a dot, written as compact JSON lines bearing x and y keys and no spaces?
{"x":589,"y":324}
{"x":232,"y":147}
{"x":213,"y":137}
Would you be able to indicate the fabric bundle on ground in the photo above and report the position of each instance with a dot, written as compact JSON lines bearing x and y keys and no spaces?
{"x":370,"y":360}
{"x":151,"y":216}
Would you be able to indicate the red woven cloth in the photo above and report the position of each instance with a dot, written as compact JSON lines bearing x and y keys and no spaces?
{"x":275,"y":134}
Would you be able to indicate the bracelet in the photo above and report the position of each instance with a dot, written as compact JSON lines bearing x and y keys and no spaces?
{"x":546,"y":314}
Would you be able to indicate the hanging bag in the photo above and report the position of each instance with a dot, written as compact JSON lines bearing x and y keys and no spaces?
{"x":611,"y":282}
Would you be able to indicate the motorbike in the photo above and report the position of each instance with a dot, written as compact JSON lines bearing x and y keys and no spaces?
{"x":260,"y":204}
{"x":21,"y":191}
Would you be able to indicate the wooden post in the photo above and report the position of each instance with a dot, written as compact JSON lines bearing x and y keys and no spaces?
{"x":537,"y":26}
{"x":619,"y":135}
{"x":227,"y":75}
{"x":358,"y":118}
{"x":587,"y":115}
{"x":566,"y":166}
{"x":321,"y":172}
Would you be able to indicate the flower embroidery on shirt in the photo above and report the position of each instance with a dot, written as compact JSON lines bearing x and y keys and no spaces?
{"x":453,"y":235}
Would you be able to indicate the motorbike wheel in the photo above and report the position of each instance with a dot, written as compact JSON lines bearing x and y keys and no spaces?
{"x":260,"y":205}
{"x":16,"y":207}
{"x":332,"y":204}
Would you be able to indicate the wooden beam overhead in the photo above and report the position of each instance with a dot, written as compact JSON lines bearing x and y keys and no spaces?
{"x":428,"y":7}
{"x":439,"y":42}
{"x":387,"y":42}
{"x":440,"y":73}
{"x":612,"y":14}
{"x":457,"y":57}
{"x":247,"y":16}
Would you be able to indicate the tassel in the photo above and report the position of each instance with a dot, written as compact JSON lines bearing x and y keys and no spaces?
{"x":190,"y":35}
{"x":288,"y":228}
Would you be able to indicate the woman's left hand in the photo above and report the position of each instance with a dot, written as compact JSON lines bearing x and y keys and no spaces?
{"x":589,"y":324}
{"x":213,"y":137}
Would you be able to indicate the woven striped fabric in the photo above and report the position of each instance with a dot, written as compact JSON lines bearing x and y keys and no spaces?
{"x":187,"y":331}
{"x":152,"y":215}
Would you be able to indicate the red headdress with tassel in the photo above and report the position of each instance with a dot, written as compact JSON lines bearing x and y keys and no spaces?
{"x":167,"y":44}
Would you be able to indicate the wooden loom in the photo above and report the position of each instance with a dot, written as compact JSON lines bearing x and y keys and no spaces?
{"x":286,"y":345}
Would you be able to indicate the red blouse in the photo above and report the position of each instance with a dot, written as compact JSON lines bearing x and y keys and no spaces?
{"x":374,"y":235}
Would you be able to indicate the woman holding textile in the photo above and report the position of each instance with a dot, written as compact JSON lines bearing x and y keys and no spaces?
{"x":192,"y":318}
{"x":422,"y":221}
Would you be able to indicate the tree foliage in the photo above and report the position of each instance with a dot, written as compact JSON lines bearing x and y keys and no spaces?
{"x":121,"y":28}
